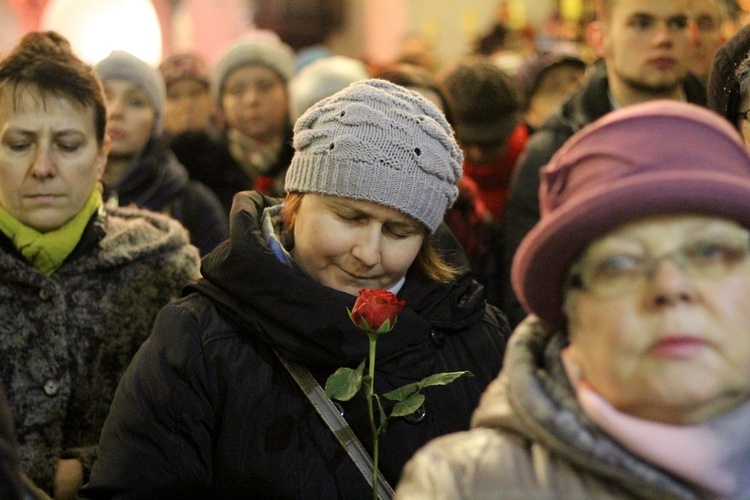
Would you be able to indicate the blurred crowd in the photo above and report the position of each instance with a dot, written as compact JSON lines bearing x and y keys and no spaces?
{"x":177,"y":149}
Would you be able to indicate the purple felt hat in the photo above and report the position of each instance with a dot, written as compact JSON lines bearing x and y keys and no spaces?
{"x":647,"y":159}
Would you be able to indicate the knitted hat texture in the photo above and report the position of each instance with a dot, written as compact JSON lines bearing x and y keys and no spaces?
{"x":265,"y":51}
{"x":379,"y":142}
{"x":121,"y":65}
{"x":182,"y":66}
{"x":647,"y":159}
{"x":485,"y":101}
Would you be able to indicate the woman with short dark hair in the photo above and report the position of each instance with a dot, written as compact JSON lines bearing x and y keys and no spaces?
{"x":81,"y":283}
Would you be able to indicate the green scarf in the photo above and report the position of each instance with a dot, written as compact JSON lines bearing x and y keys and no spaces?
{"x":47,"y":251}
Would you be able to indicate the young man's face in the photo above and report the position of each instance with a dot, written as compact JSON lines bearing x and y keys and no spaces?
{"x":646,"y":45}
{"x":707,"y":35}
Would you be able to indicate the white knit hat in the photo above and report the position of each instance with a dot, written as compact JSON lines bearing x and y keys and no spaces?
{"x":264,"y":49}
{"x":379,"y":142}
{"x":322,"y":78}
{"x":121,"y":65}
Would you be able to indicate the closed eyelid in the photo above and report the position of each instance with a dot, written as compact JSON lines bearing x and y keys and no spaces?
{"x":405,"y":227}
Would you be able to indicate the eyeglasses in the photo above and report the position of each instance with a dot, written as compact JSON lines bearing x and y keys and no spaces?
{"x":619,"y":273}
{"x":743,"y":115}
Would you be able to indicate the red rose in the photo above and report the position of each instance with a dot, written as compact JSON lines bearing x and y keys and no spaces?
{"x":375,"y":311}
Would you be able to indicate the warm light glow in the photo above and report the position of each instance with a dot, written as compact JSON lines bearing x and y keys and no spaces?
{"x":97,"y":27}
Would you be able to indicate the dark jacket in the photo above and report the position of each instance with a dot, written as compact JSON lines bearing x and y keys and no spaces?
{"x":68,"y":337}
{"x":11,"y":483}
{"x":206,"y":410}
{"x":14,"y":484}
{"x":158,"y":182}
{"x":208,"y":161}
{"x":590,"y":103}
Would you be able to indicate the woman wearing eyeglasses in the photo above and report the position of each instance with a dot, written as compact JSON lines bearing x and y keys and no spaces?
{"x":631,"y":376}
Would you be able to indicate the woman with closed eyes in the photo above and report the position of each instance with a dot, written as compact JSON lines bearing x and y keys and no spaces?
{"x":208,"y":409}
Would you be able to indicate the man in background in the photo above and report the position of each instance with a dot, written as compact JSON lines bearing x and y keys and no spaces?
{"x":708,"y":31}
{"x":645,"y":50}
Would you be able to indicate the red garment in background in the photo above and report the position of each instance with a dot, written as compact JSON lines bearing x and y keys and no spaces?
{"x":467,"y":219}
{"x":493,"y":180}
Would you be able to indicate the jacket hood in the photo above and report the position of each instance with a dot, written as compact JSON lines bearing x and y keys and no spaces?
{"x":154,"y":179}
{"x":308,"y":321}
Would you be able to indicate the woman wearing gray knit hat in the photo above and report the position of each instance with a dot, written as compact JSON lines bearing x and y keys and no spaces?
{"x":209,"y":409}
{"x":250,"y":86}
{"x":252,"y":149}
{"x":630,"y":378}
{"x":141,"y":170}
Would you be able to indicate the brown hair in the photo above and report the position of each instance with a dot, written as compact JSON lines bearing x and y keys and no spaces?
{"x":44,"y":60}
{"x":428,"y":260}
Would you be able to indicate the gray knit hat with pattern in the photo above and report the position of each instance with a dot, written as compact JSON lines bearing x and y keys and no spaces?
{"x":262,"y":50}
{"x":379,"y":142}
{"x":121,"y":65}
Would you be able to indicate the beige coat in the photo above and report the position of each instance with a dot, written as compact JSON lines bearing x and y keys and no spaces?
{"x":530,"y":439}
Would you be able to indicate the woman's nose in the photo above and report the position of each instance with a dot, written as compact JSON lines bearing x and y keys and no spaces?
{"x":367,"y":247}
{"x":42,"y":166}
{"x":670,"y":284}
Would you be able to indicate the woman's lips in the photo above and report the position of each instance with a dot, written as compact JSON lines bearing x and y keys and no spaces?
{"x":115,"y":134}
{"x":679,"y":346}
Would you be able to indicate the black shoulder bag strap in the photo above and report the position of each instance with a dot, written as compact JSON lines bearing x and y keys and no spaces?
{"x":338,"y":425}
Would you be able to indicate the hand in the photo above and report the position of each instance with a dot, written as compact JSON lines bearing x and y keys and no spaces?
{"x":68,"y":478}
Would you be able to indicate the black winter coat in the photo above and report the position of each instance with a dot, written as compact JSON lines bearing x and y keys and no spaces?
{"x":206,"y":410}
{"x":587,"y":105}
{"x":158,"y":182}
{"x":208,"y":161}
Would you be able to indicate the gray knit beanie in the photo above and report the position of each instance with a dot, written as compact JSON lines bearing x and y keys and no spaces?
{"x":379,"y":142}
{"x":261,"y":50}
{"x":120,"y":65}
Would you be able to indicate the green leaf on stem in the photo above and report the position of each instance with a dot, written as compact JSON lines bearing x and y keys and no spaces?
{"x":344,"y":383}
{"x":402,"y":393}
{"x":408,"y":406}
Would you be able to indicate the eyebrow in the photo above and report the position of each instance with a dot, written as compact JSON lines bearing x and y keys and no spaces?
{"x":34,"y":133}
{"x":405,"y":222}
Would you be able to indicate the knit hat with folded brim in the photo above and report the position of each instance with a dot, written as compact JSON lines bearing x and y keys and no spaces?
{"x":185,"y":67}
{"x":647,"y":159}
{"x":259,"y":50}
{"x":121,"y":65}
{"x":378,"y":142}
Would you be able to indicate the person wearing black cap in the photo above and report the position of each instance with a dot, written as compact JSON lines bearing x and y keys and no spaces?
{"x":487,"y":111}
{"x":545,"y":80}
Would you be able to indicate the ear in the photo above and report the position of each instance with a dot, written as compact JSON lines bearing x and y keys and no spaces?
{"x":595,"y":34}
{"x":101,"y":157}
